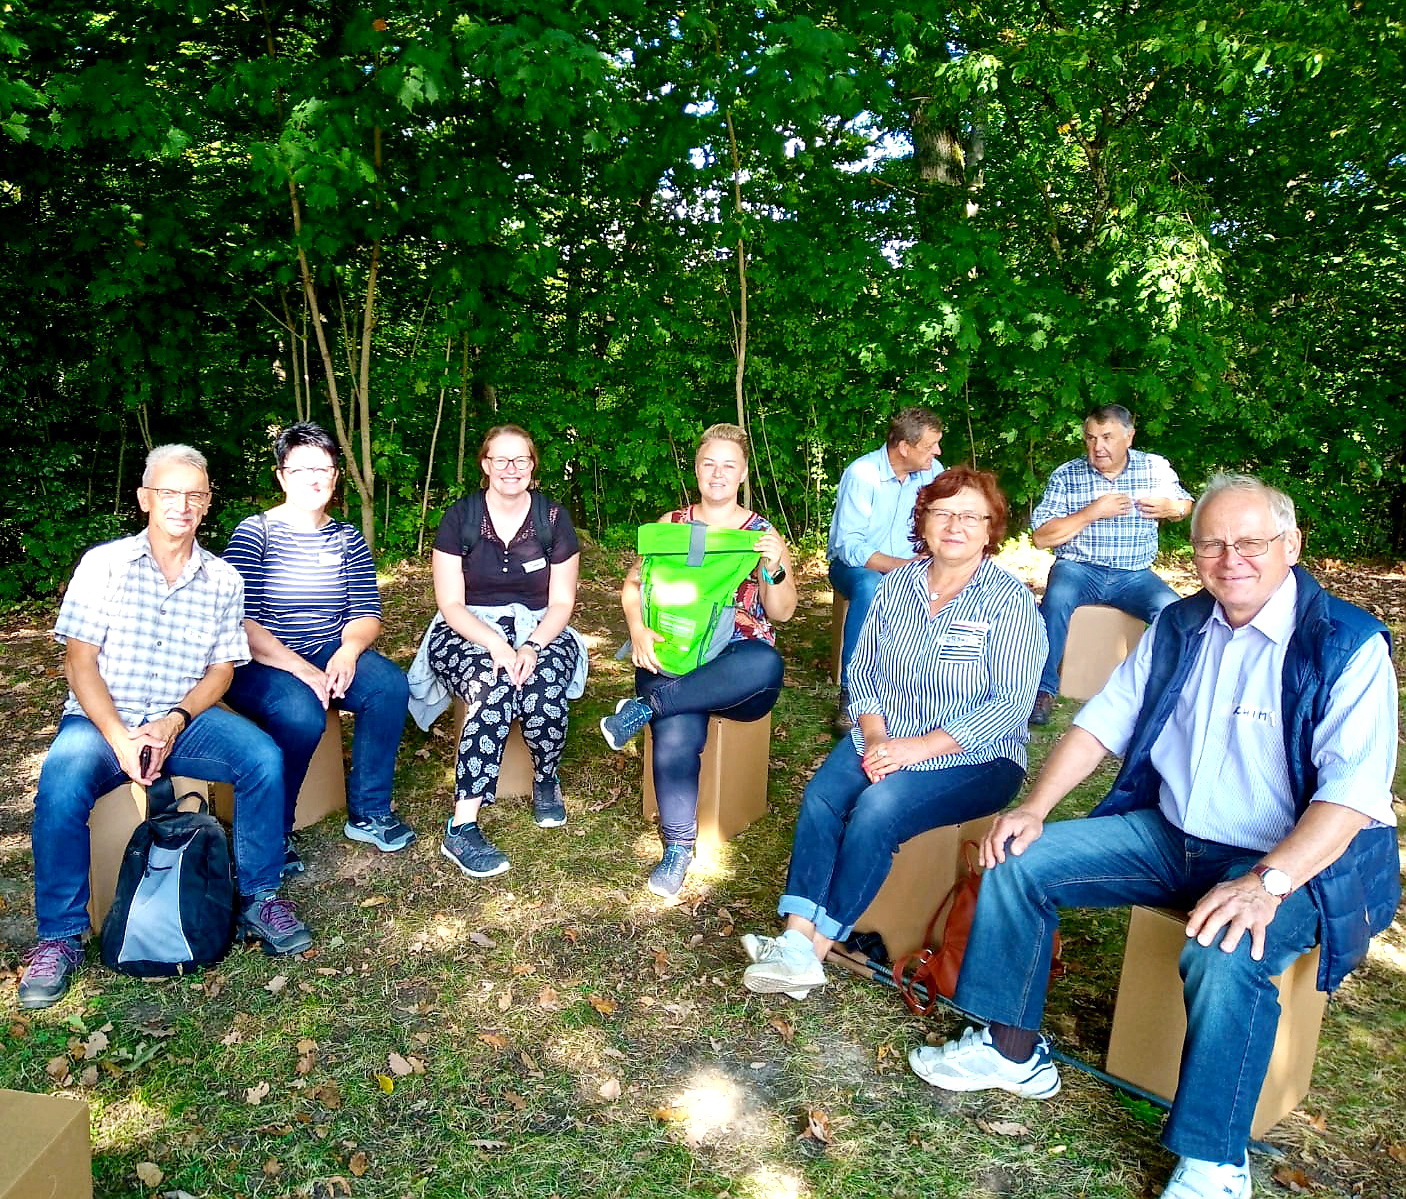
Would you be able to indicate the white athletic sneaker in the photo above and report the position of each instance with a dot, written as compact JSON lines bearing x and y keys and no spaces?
{"x":782,"y":966}
{"x":973,"y":1063}
{"x":1197,"y":1179}
{"x":756,"y":946}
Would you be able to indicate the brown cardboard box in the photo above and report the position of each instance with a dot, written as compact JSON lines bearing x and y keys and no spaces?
{"x":923,"y":871}
{"x":515,"y":770}
{"x":1149,"y":1019}
{"x":839,"y":609}
{"x":1099,"y":639}
{"x":114,"y":818}
{"x":324,"y":788}
{"x":731,"y":782}
{"x":44,"y":1147}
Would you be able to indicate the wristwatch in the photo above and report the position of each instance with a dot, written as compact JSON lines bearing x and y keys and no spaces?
{"x":1273,"y":880}
{"x":775,"y":576}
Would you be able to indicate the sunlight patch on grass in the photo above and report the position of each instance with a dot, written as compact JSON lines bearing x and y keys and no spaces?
{"x":771,"y":1182}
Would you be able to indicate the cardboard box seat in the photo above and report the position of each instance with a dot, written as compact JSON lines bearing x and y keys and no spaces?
{"x":1100,"y":638}
{"x":45,"y":1150}
{"x":1149,"y":1019}
{"x":732,"y":778}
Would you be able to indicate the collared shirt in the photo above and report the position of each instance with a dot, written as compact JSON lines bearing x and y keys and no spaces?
{"x":155,"y":640}
{"x":304,"y":585}
{"x":1221,"y":754}
{"x":874,"y":509}
{"x":1127,"y":542}
{"x":971,"y":670}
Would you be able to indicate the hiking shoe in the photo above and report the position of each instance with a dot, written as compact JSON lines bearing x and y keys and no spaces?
{"x":973,"y":1063}
{"x":387,"y":832}
{"x":842,"y":722}
{"x":273,"y":922}
{"x":292,"y":861}
{"x":48,"y":971}
{"x":548,"y":810}
{"x":474,"y":854}
{"x":631,"y":715}
{"x":785,"y":965}
{"x":666,"y":879}
{"x":1197,"y":1179}
{"x":1044,"y":705}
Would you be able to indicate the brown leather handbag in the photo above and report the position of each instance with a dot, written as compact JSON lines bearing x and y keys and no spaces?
{"x":924,"y":975}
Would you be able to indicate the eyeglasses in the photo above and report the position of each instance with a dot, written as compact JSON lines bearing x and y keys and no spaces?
{"x":522,"y":462}
{"x":169,"y":498}
{"x":968,"y":520}
{"x":318,"y":472}
{"x":1246,"y":547}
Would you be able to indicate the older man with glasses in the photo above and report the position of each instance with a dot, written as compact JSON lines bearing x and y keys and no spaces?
{"x":152,"y":627}
{"x":1257,"y":725}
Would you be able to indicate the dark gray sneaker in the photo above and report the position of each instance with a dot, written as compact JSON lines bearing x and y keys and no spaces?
{"x":1044,"y":707}
{"x":48,"y":971}
{"x":387,"y":833}
{"x":667,"y":877}
{"x":474,"y":854}
{"x":631,"y":715}
{"x":273,"y":922}
{"x":292,"y":860}
{"x":548,"y":810}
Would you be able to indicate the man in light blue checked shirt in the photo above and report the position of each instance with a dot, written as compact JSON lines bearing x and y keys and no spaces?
{"x":1099,"y":514}
{"x":869,"y":533}
{"x":152,"y":627}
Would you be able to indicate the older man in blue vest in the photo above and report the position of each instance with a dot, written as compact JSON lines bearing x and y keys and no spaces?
{"x":1257,"y":725}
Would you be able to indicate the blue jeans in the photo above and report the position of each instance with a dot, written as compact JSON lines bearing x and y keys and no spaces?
{"x":287,"y":709}
{"x":858,"y":585}
{"x":849,"y":829}
{"x":1073,"y":584}
{"x":1232,"y":1009}
{"x":741,"y":683}
{"x":80,"y":766}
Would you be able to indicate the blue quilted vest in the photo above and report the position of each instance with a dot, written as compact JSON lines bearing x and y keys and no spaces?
{"x":1357,"y":895}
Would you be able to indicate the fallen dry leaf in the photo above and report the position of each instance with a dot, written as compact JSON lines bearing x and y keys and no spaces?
{"x":358,"y":1163}
{"x":307,"y":1056}
{"x":817,"y":1125}
{"x":505,"y":1000}
{"x":784,"y":1027}
{"x":496,"y":1039}
{"x":374,"y":901}
{"x":399,"y":1066}
{"x":488,"y":1144}
{"x":19,"y":1028}
{"x":273,"y":1168}
{"x":482,"y":940}
{"x":668,"y":1115}
{"x":276,"y":983}
{"x":1397,"y":1151}
{"x":57,"y":1067}
{"x":1319,"y":1123}
{"x":386,"y":1083}
{"x":150,"y":1173}
{"x":603,"y":1005}
{"x":609,"y":1090}
{"x":211,"y":986}
{"x":89,"y":1077}
{"x":95,"y":1044}
{"x":328,"y":1095}
{"x":1294,"y":1179}
{"x":255,"y":1095}
{"x":1004,"y":1128}
{"x":548,"y":999}
{"x":516,"y":1100}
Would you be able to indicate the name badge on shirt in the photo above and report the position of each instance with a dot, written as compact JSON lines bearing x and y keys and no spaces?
{"x":329,"y":558}
{"x":964,"y":641}
{"x":535,"y":564}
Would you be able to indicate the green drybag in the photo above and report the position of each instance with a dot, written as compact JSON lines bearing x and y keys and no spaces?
{"x":688,"y":579}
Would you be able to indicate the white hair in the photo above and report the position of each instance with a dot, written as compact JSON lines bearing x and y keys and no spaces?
{"x":173,"y":453}
{"x":1281,"y":507}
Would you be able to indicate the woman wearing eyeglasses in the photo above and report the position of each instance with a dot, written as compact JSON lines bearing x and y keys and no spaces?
{"x":941,"y":683}
{"x":312,"y":613}
{"x":506,"y":561}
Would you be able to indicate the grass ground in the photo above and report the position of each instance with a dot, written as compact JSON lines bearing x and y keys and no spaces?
{"x":558,"y":1031}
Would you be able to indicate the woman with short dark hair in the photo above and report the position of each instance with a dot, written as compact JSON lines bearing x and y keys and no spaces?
{"x":312,"y":613}
{"x":940,"y":686}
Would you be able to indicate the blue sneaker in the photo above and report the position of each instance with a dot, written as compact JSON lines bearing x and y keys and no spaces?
{"x":667,"y":877}
{"x":274,"y":923}
{"x":631,"y":715}
{"x":387,"y":833}
{"x":548,"y":808}
{"x":474,"y":854}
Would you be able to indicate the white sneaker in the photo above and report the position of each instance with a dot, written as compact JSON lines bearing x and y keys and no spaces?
{"x":781,"y":967}
{"x":1197,"y":1179}
{"x":756,"y":946}
{"x":973,"y":1063}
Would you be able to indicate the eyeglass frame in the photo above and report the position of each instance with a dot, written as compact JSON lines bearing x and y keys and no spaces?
{"x":967,"y":520}
{"x":520,"y":461}
{"x":321,"y":471}
{"x":167,"y":496}
{"x":1199,"y":549}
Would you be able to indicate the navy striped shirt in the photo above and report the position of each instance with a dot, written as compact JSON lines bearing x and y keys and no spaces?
{"x":304,"y":587}
{"x":971,"y":670}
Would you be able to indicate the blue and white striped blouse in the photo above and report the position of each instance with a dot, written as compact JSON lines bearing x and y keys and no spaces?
{"x":304,"y":587}
{"x":971,"y":670}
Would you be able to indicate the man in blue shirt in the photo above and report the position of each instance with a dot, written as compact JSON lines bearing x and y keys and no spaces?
{"x":870,"y":533}
{"x":1257,"y":725}
{"x":1099,"y":514}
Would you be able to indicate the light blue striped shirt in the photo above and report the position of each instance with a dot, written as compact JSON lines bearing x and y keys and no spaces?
{"x":304,"y":586}
{"x":874,"y":509}
{"x":1221,"y":754}
{"x":971,"y":670}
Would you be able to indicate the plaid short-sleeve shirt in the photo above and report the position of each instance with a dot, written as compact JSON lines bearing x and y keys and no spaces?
{"x":1127,"y":542}
{"x":155,"y":639}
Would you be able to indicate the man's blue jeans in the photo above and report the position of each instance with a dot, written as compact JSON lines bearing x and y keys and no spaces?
{"x":1109,"y":861}
{"x":80,"y":766}
{"x":1073,"y":584}
{"x":858,"y":585}
{"x":849,"y":829}
{"x":286,"y":708}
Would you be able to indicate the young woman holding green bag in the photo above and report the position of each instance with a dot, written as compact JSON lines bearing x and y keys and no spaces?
{"x":740,"y":683}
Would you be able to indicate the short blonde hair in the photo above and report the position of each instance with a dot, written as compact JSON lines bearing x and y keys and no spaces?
{"x":724,"y":432}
